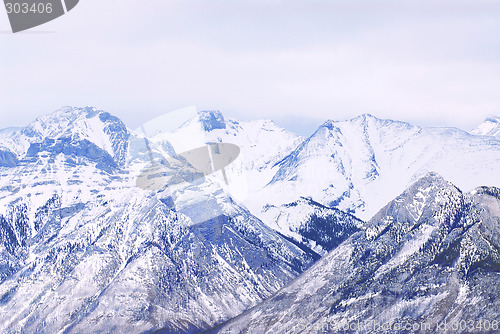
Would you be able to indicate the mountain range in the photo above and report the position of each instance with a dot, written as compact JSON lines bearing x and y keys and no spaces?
{"x":361,"y":164}
{"x":83,"y":249}
{"x":428,"y":262}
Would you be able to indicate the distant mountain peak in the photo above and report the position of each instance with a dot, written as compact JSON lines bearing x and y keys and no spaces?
{"x":77,"y":125}
{"x":211,"y":120}
{"x":85,"y":110}
{"x":490,"y":127}
{"x":434,"y":179}
{"x":365,"y":116}
{"x":329,"y":124}
{"x":366,"y":120}
{"x":67,"y":113}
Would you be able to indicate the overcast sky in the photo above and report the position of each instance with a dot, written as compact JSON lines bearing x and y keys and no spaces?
{"x":431,"y":63}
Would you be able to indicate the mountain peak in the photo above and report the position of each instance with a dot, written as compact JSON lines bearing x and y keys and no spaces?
{"x":365,"y":120}
{"x":71,"y":125}
{"x":88,"y":110}
{"x":431,"y":199}
{"x":365,"y":116}
{"x":405,"y":266}
{"x":490,"y":127}
{"x":67,"y":118}
{"x":493,"y":119}
{"x":67,"y":114}
{"x":431,"y":182}
{"x":211,"y":120}
{"x":433,"y":177}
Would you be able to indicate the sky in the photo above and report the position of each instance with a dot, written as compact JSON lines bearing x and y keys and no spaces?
{"x":431,"y":63}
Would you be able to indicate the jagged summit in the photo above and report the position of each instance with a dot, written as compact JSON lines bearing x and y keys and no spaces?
{"x":85,"y":250}
{"x":493,"y":119}
{"x":365,"y":120}
{"x":211,"y":120}
{"x":68,"y":120}
{"x":418,"y":204}
{"x":71,"y":126}
{"x":431,"y":180}
{"x":82,"y":249}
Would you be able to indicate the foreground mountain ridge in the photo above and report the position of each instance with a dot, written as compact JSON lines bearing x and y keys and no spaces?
{"x":420,"y":261}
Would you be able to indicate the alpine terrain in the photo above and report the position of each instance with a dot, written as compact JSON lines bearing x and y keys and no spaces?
{"x":82,"y":249}
{"x":428,"y":262}
{"x":104,"y":229}
{"x":361,"y":164}
{"x":490,"y":127}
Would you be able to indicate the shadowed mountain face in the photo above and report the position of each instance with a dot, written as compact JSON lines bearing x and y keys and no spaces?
{"x":106,"y":266}
{"x":430,"y":259}
{"x":311,"y":224}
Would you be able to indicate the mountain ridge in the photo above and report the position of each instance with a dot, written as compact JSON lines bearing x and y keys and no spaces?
{"x":76,"y":234}
{"x":86,"y":250}
{"x":490,"y":127}
{"x":418,"y":262}
{"x":351,"y":161}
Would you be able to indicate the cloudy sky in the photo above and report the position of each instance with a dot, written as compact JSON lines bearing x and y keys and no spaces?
{"x":432,"y":63}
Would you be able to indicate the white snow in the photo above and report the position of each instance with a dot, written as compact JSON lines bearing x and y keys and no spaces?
{"x":490,"y":127}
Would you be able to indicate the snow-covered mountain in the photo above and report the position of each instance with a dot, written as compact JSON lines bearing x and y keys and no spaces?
{"x":82,"y":249}
{"x":429,"y":261}
{"x":361,"y":164}
{"x":83,"y":125}
{"x":490,"y":127}
{"x":357,"y":165}
{"x":262,"y":145}
{"x":318,"y":227}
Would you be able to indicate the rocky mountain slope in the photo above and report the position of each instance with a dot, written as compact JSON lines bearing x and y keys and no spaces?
{"x":84,"y":249}
{"x":357,"y":165}
{"x":428,"y":261}
{"x":318,"y":227}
